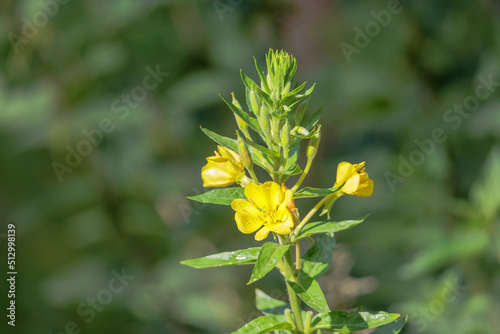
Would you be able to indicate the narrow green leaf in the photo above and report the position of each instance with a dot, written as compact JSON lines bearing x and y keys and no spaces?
{"x":269,"y":256}
{"x":222,"y":196}
{"x":315,"y":192}
{"x":317,"y":259}
{"x":394,"y":327}
{"x":343,"y":322}
{"x":262,"y":76}
{"x":264,"y":150}
{"x":312,"y":120}
{"x":327,"y":227}
{"x":252,"y":122}
{"x":293,"y":92}
{"x":262,"y":325}
{"x":310,"y":292}
{"x":242,"y":256}
{"x":231,"y":144}
{"x":250,"y":84}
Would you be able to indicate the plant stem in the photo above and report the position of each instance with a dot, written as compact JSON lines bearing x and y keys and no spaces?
{"x":292,"y":296}
{"x":304,"y":173}
{"x":307,"y":217}
{"x":252,"y":174}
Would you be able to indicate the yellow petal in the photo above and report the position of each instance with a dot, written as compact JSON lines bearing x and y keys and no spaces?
{"x":344,"y":171}
{"x":244,"y":206}
{"x":232,"y":156}
{"x":218,"y":174}
{"x":247,"y":223}
{"x":262,"y":234}
{"x":285,"y":226}
{"x":366,"y":189}
{"x":351,"y":185}
{"x":266,"y":196}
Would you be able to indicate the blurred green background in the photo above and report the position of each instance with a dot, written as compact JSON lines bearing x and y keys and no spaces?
{"x":72,"y":69}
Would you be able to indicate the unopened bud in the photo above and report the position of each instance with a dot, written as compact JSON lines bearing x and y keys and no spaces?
{"x":312,"y":149}
{"x":285,"y":135}
{"x":244,"y":153}
{"x":254,"y":102}
{"x":298,"y":130}
{"x":301,"y":109}
{"x":265,"y":123}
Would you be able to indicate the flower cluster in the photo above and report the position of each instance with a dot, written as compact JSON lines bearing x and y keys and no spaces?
{"x":269,"y":133}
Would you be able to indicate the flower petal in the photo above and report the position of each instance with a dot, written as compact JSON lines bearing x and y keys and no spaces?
{"x":351,"y":185}
{"x":232,"y":156}
{"x":262,"y":234}
{"x":344,"y":171}
{"x":247,"y":223}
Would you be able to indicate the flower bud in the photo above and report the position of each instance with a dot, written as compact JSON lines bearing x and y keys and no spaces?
{"x":312,"y":149}
{"x":298,"y":130}
{"x":285,"y":135}
{"x":254,"y":102}
{"x":244,"y":154}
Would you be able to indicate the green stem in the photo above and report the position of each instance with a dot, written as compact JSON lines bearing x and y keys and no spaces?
{"x":307,"y":218}
{"x":304,"y":173}
{"x":252,"y":174}
{"x":292,"y":296}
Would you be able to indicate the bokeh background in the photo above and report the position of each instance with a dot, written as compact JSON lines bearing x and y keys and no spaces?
{"x":430,"y":247}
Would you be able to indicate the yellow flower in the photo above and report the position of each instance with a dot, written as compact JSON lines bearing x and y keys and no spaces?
{"x":356,"y":179}
{"x":266,"y":207}
{"x":222,"y":169}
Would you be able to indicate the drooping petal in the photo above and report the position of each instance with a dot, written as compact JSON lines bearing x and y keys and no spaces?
{"x":262,"y":233}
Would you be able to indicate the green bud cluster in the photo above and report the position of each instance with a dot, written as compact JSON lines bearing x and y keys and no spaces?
{"x":276,"y":113}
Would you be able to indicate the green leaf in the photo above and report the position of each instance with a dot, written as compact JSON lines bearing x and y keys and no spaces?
{"x":317,"y":259}
{"x":394,"y":327}
{"x":262,"y":76}
{"x":272,"y":307}
{"x":312,"y":120}
{"x":251,"y":85}
{"x":231,"y":144}
{"x":310,"y":292}
{"x":269,"y":256}
{"x":327,"y":227}
{"x":343,"y":322}
{"x":252,"y":122}
{"x":484,"y":192}
{"x":264,"y":150}
{"x":262,"y":325}
{"x":242,"y":256}
{"x":269,"y":306}
{"x":222,"y":196}
{"x":315,"y":192}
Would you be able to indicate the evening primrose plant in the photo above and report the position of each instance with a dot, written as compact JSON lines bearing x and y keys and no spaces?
{"x":268,"y":137}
